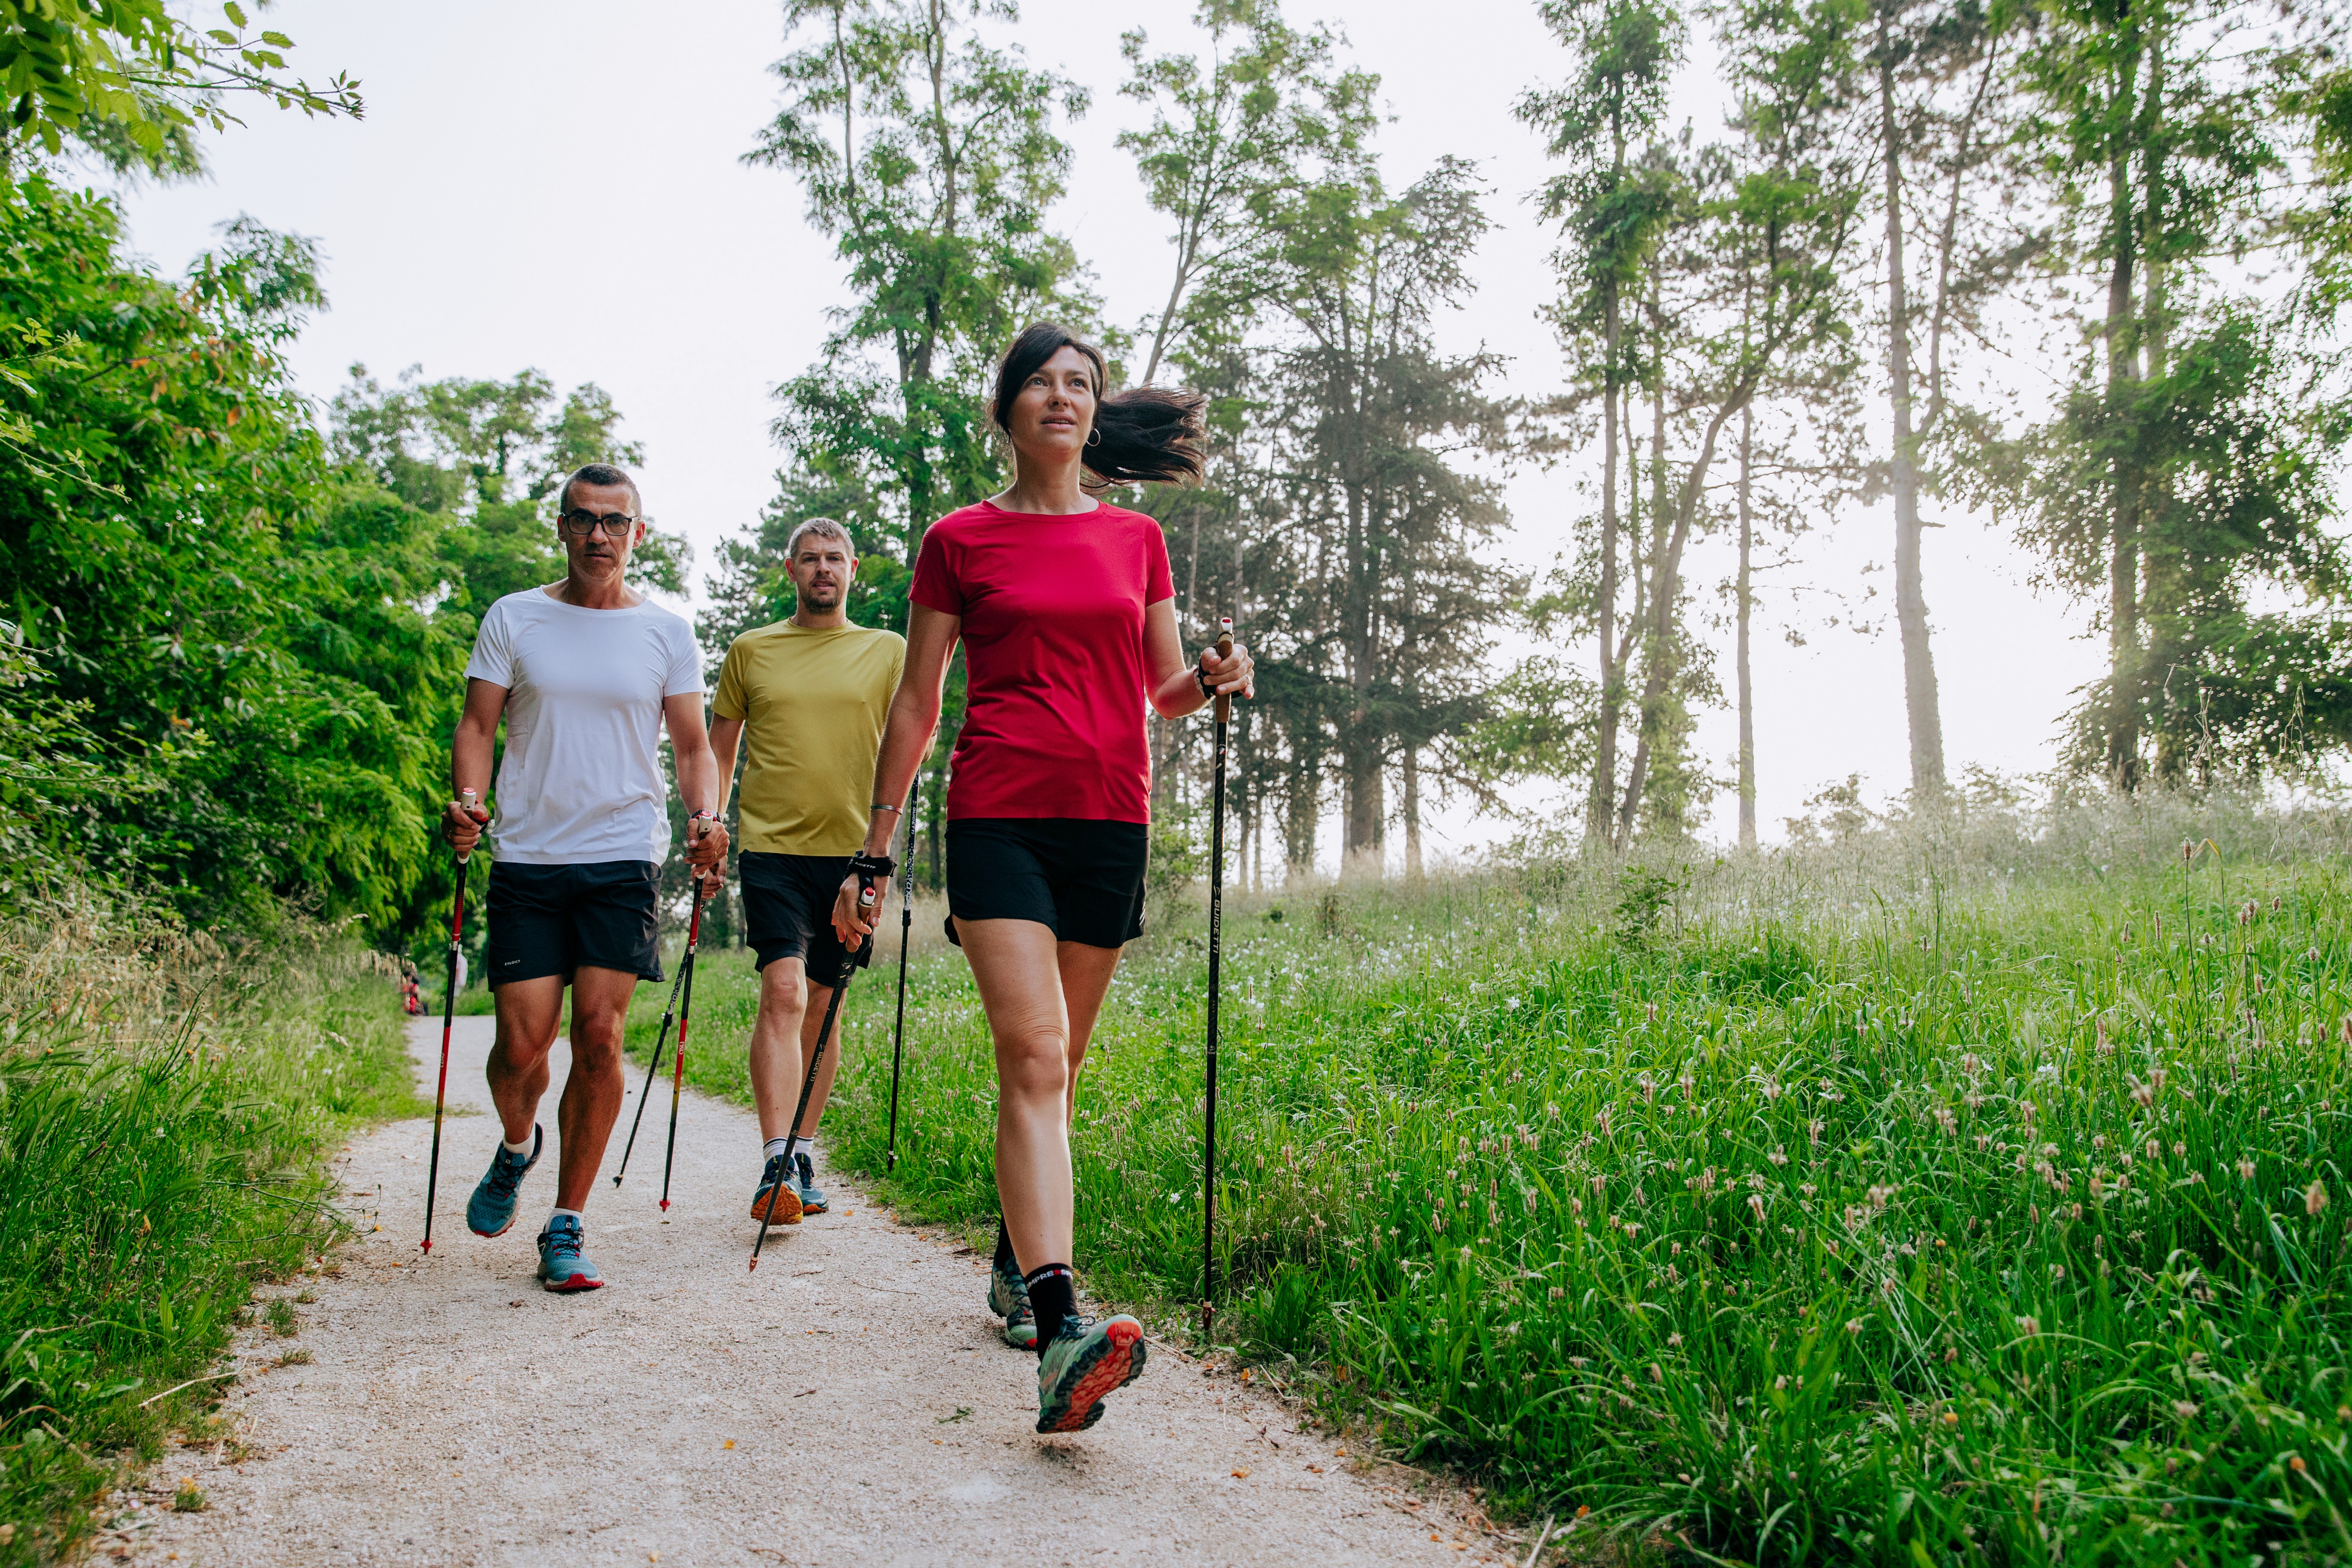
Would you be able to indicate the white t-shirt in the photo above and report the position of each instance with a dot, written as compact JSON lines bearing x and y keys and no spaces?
{"x":582,"y":779}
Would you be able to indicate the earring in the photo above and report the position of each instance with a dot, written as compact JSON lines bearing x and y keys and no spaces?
{"x":1094,"y":437}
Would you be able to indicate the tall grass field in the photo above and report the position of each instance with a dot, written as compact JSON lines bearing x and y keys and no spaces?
{"x":1975,"y":1193}
{"x":165,"y":1106}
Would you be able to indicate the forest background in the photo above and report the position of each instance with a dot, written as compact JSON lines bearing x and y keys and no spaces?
{"x":1428,"y":562}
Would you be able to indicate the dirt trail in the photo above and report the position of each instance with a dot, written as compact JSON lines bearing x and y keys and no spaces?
{"x":454,"y":1413}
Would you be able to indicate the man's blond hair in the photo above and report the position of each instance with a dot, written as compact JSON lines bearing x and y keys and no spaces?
{"x":824,"y":528}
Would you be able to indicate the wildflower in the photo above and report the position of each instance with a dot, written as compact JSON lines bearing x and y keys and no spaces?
{"x":1853,"y":1325}
{"x":2100,"y":1141}
{"x":2030,"y":1326}
{"x":1947,"y":1121}
{"x":1527,"y":1196}
{"x":1807,"y":1188}
{"x":1673,"y":1341}
{"x":1951,"y":1418}
{"x":1756,"y":1205}
{"x":1814,"y":1129}
{"x":2026,"y":1109}
{"x":1777,"y":1156}
{"x":2245,"y":1170}
{"x":2105,"y":1048}
{"x":2098,"y":1187}
{"x":2180,"y":1149}
{"x":2296,"y":1464}
{"x":1632,"y":1230}
{"x":1656,"y":1375}
{"x":1556,"y":1292}
{"x":2314,"y":1198}
{"x":2145,"y":1094}
{"x":2184,"y":1408}
{"x":2155,"y":1150}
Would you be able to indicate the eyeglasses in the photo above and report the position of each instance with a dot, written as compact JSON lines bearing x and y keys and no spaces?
{"x":581,"y":523}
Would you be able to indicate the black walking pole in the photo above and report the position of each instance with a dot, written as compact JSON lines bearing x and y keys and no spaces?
{"x":905,"y":924}
{"x":448,"y":1016}
{"x":1216,"y":945}
{"x":653,"y":1058}
{"x":850,"y":962}
{"x":685,"y":1006}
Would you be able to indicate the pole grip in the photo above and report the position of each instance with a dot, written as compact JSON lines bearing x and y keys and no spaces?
{"x":466,"y":799}
{"x":1224,"y":650}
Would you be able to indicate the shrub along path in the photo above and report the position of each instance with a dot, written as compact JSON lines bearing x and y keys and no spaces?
{"x":848,"y":1404}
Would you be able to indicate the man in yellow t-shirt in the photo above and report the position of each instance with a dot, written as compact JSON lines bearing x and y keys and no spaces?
{"x":809,"y":694}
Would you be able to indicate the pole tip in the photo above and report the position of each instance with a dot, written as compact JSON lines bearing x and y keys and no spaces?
{"x":755,"y":1264}
{"x":426,"y":1246}
{"x":665,"y":1205}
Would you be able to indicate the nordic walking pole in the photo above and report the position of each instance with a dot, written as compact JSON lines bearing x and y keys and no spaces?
{"x":448,"y":1016}
{"x":905,"y":924}
{"x":685,"y":1006}
{"x":653,"y":1058}
{"x":1216,"y":947}
{"x":817,"y":1054}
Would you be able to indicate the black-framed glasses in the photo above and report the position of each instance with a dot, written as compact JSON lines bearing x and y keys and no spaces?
{"x":581,"y":523}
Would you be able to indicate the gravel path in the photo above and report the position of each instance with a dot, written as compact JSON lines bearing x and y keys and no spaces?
{"x":848,"y":1404}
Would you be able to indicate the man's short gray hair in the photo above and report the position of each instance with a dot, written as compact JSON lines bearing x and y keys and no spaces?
{"x":597,"y":474}
{"x":824,"y":528}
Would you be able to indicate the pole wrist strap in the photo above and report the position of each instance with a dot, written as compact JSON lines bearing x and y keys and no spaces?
{"x":872,"y":868}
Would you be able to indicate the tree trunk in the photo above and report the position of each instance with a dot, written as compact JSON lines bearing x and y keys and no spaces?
{"x":2123,"y":374}
{"x":1747,"y":603}
{"x":1413,"y":814}
{"x":1920,"y":696}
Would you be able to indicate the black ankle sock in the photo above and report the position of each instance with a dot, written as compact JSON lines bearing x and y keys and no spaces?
{"x":1004,"y":1244}
{"x":1053,"y":1297}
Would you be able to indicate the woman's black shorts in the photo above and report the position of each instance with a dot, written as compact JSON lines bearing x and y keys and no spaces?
{"x":552,"y":920}
{"x":1082,"y":879}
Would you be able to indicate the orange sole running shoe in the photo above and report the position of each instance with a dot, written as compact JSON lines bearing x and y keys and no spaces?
{"x":1080,"y":1370}
{"x":776,"y":1196}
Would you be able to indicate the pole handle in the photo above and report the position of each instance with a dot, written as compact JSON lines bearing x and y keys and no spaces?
{"x":1224,"y":650}
{"x":466,"y":799}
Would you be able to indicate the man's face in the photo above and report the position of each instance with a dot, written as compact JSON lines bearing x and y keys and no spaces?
{"x":604,"y":552}
{"x":821,"y":569}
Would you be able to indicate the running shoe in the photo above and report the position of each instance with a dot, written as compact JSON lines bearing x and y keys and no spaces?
{"x":491,"y":1210}
{"x":812,"y":1199}
{"x":1008,"y":1298}
{"x":563,"y":1266}
{"x":785,"y":1206}
{"x":1085,"y":1364}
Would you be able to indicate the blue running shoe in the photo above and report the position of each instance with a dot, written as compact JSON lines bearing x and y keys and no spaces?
{"x":491,"y":1210}
{"x":561,"y":1265}
{"x":1085,"y":1363}
{"x":777,"y":1198}
{"x":811,"y":1200}
{"x":1008,"y":1298}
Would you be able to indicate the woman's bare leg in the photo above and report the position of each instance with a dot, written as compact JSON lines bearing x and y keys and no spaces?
{"x":1086,"y":980}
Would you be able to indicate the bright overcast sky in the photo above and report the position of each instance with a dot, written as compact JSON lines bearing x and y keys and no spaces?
{"x":557,"y":185}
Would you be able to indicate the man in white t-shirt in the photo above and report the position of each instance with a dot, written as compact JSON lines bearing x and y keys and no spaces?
{"x":585,"y":672}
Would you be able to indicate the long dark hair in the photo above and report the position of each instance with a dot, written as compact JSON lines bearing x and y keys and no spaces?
{"x":1144,"y":433}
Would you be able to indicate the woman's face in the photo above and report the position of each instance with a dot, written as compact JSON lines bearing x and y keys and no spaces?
{"x":1054,"y":411}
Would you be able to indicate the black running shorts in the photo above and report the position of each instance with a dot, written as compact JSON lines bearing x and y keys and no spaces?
{"x":552,"y":920}
{"x":1082,"y":879}
{"x":788,"y":910}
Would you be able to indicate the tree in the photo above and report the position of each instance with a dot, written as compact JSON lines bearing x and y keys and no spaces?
{"x":1222,"y":142}
{"x":1611,"y":214}
{"x":1386,"y":607}
{"x":2185,"y":469}
{"x":931,"y":156}
{"x":133,"y":80}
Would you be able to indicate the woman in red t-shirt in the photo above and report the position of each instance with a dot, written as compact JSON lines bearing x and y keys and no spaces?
{"x":1068,"y":623}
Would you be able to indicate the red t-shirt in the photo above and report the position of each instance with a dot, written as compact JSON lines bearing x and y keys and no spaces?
{"x":1053,"y":647}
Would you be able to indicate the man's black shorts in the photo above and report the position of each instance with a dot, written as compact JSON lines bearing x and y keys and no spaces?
{"x":788,"y":910}
{"x":1081,"y":877}
{"x":552,"y":920}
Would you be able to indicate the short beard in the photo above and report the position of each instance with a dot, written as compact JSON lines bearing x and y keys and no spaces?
{"x":826,"y":606}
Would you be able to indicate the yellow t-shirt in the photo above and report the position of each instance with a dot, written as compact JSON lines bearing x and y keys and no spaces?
{"x":814,"y":702}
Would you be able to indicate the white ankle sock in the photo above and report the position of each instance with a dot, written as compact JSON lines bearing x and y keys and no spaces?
{"x":521,"y":1148}
{"x":554,"y":1214}
{"x":774,"y":1147}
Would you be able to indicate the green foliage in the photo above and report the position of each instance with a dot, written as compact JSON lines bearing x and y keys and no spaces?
{"x":134,"y":80}
{"x":165,"y":1109}
{"x":1827,"y":1230}
{"x":930,"y":157}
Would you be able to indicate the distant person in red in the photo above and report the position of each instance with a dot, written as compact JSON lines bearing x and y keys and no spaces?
{"x":1064,"y":605}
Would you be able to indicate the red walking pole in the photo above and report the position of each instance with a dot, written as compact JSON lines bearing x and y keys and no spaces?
{"x":448,"y":1015}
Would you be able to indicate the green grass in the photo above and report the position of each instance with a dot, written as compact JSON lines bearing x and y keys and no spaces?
{"x":163,"y":1110}
{"x":1985,"y":1201}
